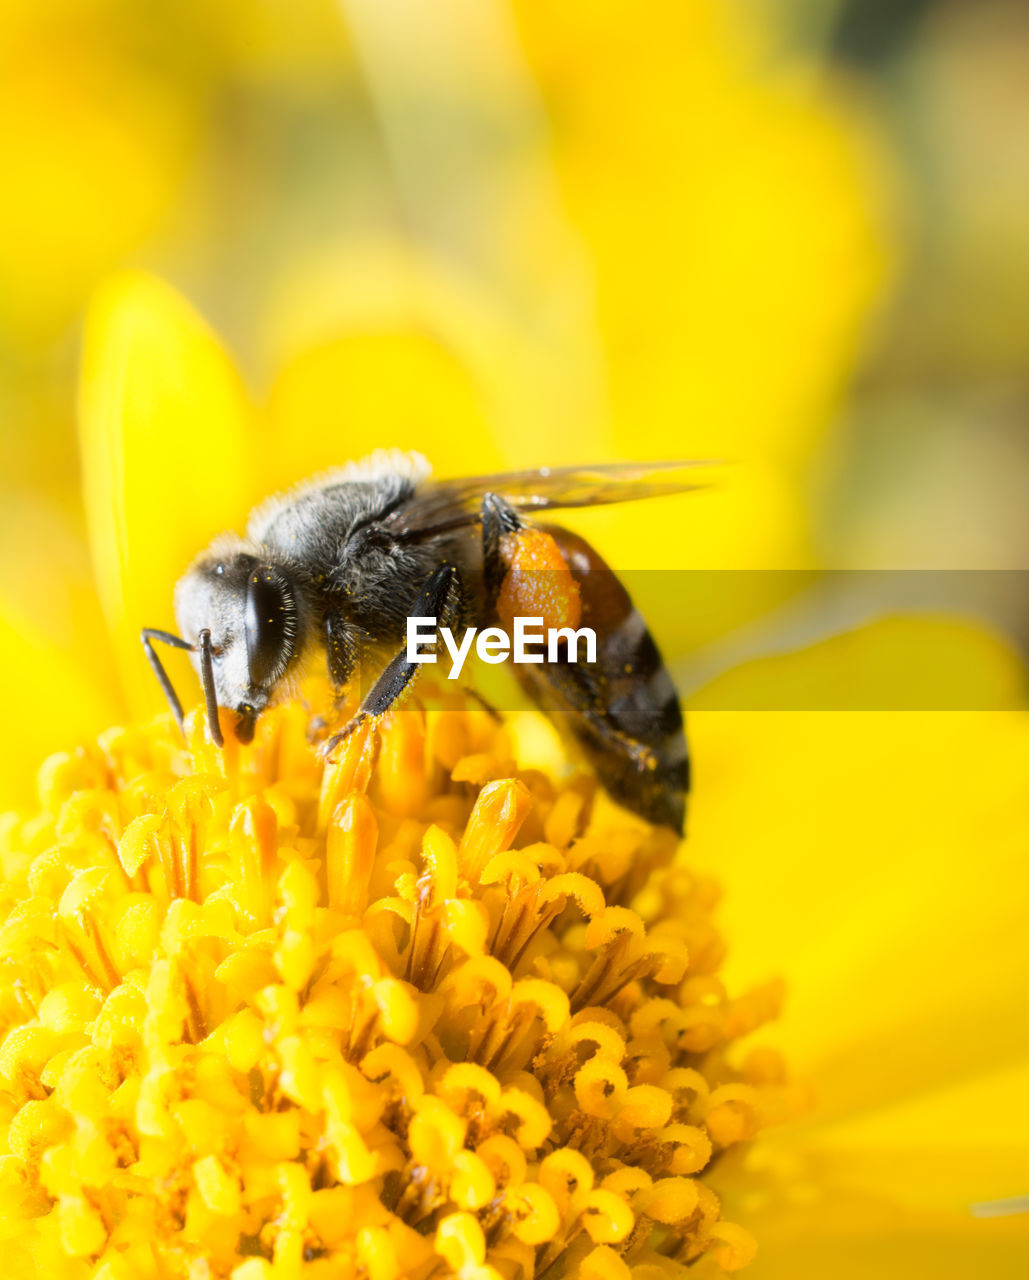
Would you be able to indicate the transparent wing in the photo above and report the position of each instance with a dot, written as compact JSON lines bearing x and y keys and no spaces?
{"x":449,"y":504}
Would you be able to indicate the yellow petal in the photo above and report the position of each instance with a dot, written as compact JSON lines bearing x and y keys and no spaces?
{"x":166,"y":456}
{"x":951,"y":1150}
{"x":898,"y":663}
{"x":854,"y":1237}
{"x":893,"y":847}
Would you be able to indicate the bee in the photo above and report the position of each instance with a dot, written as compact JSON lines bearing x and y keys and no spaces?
{"x":338,"y":565}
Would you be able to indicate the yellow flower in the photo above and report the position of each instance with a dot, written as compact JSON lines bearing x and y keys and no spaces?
{"x":422,"y":1008}
{"x":632,"y":276}
{"x":890,"y":895}
{"x":420,"y":1012}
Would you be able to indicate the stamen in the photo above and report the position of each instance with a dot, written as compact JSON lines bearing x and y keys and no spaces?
{"x":411,"y":1012}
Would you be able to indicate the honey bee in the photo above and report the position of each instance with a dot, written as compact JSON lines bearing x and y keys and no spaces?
{"x":339,"y":564}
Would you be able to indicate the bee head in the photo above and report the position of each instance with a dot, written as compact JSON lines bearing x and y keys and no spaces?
{"x":250,"y":608}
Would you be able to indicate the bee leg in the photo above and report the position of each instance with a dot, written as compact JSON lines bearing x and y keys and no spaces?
{"x":343,"y":645}
{"x":148,"y":635}
{"x":442,"y":600}
{"x":498,"y":518}
{"x":210,"y":697}
{"x":340,"y":649}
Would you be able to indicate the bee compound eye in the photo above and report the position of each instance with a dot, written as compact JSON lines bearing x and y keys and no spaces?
{"x":270,"y":624}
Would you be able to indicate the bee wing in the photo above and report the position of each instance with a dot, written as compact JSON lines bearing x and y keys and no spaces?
{"x":551,"y":487}
{"x":449,"y":504}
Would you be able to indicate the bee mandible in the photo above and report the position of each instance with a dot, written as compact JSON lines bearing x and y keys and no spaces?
{"x":337,"y":565}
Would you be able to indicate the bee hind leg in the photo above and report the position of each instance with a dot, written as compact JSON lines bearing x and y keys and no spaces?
{"x":441,"y":599}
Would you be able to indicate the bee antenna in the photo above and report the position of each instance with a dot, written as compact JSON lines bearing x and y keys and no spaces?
{"x":207,"y":678}
{"x":147,"y":636}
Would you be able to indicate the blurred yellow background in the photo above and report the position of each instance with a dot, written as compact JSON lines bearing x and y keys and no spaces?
{"x":503,"y":238}
{"x":789,"y":235}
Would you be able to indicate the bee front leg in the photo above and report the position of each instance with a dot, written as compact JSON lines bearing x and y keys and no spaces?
{"x":342,"y":649}
{"x":441,"y":599}
{"x":345,"y":642}
{"x":343,"y":645}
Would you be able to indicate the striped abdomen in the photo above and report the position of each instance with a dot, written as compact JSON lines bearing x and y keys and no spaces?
{"x":624,"y":709}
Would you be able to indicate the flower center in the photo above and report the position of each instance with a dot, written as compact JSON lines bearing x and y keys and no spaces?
{"x":417,"y":1013}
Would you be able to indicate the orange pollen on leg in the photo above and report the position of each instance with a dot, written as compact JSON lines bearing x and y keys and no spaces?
{"x":539,"y":583}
